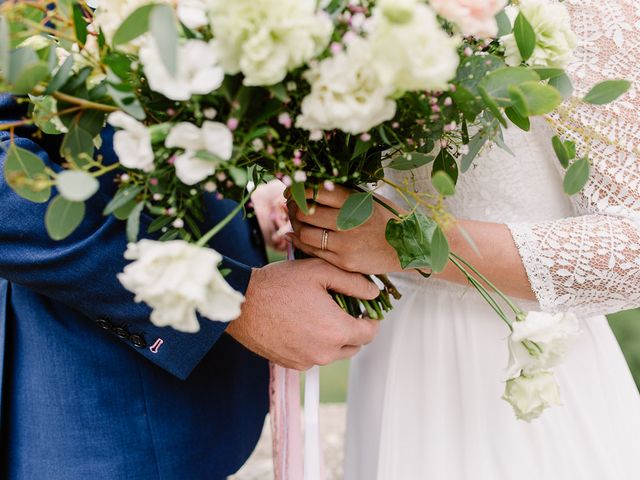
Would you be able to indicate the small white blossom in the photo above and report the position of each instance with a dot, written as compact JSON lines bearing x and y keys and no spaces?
{"x":132,"y":143}
{"x":555,"y":40}
{"x":177,"y":279}
{"x":193,"y":13}
{"x":198,"y":71}
{"x":213,"y":137}
{"x":531,"y":395}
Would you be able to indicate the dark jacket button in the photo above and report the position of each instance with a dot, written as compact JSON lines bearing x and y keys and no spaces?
{"x":121,"y":332}
{"x":104,"y":324}
{"x":137,"y":341}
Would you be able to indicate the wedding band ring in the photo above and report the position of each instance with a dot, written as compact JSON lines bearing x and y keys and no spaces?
{"x":324,"y":242}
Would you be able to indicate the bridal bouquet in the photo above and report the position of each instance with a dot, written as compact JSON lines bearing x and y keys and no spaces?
{"x":216,"y":97}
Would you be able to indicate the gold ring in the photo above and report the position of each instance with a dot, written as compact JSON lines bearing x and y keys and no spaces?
{"x":324,"y":242}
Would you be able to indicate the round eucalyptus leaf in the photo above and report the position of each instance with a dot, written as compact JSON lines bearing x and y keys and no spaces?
{"x":77,"y":185}
{"x":63,"y":217}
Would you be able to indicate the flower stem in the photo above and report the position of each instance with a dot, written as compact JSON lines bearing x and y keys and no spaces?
{"x":206,"y":238}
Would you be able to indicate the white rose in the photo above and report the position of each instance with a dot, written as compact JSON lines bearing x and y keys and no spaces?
{"x":414,"y":55}
{"x":132,"y":144}
{"x":398,"y":11}
{"x":531,"y":395}
{"x":198,"y":71}
{"x":177,"y":279}
{"x":474,"y":17}
{"x":547,"y":336}
{"x":265,"y":39}
{"x":213,"y":137}
{"x":346,"y":93}
{"x":555,"y":40}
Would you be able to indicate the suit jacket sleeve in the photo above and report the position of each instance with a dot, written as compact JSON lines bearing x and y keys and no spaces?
{"x":80,"y":271}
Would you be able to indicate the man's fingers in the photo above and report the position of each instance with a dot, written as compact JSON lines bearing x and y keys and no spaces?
{"x":351,"y":284}
{"x":347,"y":352}
{"x":362,"y":331}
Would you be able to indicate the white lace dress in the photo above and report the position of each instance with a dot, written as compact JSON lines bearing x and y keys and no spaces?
{"x":424,"y":398}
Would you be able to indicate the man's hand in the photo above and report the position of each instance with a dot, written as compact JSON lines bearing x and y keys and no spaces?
{"x":290,"y":318}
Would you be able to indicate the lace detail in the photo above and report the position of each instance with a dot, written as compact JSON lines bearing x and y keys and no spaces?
{"x":589,"y":263}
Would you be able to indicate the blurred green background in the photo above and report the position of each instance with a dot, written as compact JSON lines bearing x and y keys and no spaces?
{"x":625,"y":325}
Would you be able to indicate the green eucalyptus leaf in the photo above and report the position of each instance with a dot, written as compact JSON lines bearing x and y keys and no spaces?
{"x":76,"y":185}
{"x":61,"y":76}
{"x":298,"y":194}
{"x":497,"y":83}
{"x":443,"y":183}
{"x":411,"y":237}
{"x":607,"y":91}
{"x":439,"y":250}
{"x":125,"y":210}
{"x":133,"y":222}
{"x":517,"y":119}
{"x":122,"y":198}
{"x":525,"y":36}
{"x":493,"y":107}
{"x":561,"y":151}
{"x":409,"y":161}
{"x":164,"y":28}
{"x":356,"y":210}
{"x":475,"y":145}
{"x":79,"y":24}
{"x":159,"y":223}
{"x":134,"y":25}
{"x":63,"y":217}
{"x":446,"y":163}
{"x":539,"y":99}
{"x":548,"y":73}
{"x":504,"y":24}
{"x":473,"y":69}
{"x":571,"y":149}
{"x":77,"y":145}
{"x":22,"y":164}
{"x":5,"y":46}
{"x":577,"y":176}
{"x":26,"y":73}
{"x":563,"y":84}
{"x":127,"y":102}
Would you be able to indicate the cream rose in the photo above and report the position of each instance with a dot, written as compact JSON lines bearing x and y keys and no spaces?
{"x":475,"y":18}
{"x":555,"y":40}
{"x":177,"y":279}
{"x":414,"y":54}
{"x":132,"y":144}
{"x":346,"y":93}
{"x":213,"y":137}
{"x":540,"y":341}
{"x":531,"y":395}
{"x":265,"y":39}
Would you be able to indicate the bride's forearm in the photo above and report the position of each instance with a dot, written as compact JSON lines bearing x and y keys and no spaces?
{"x":494,"y":254}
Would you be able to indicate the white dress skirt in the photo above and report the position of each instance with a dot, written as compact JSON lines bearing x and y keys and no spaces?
{"x":425,"y":398}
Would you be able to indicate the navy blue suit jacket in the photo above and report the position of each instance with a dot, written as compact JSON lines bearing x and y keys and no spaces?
{"x":88,"y":390}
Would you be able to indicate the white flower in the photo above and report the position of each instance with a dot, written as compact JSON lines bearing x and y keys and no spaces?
{"x":398,"y":11}
{"x":346,"y":93}
{"x":177,"y":279}
{"x":547,"y":337}
{"x":555,"y":40}
{"x":213,"y":137}
{"x":531,"y":395}
{"x":474,"y":17}
{"x":265,"y":39}
{"x":193,"y":13}
{"x":413,"y":55}
{"x":132,"y":143}
{"x":198,"y":70}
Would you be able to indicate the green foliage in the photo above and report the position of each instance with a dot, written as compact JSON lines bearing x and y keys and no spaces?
{"x":123,"y":197}
{"x":164,"y":29}
{"x":26,"y":174}
{"x":134,"y":25}
{"x":577,"y":176}
{"x":356,"y":211}
{"x":443,"y":183}
{"x":4,"y":47}
{"x":410,"y":161}
{"x":525,"y":37}
{"x":565,"y":151}
{"x":63,"y":217}
{"x":534,"y":98}
{"x":607,"y":91}
{"x":298,"y":194}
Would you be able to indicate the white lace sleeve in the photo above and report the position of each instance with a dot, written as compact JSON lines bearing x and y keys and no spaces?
{"x":591,"y":263}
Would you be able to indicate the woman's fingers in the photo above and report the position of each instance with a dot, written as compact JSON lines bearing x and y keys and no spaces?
{"x":331,"y":198}
{"x":322,"y":217}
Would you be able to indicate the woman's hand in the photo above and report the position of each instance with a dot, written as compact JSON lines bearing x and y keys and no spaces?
{"x":363,"y":249}
{"x":270,"y":207}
